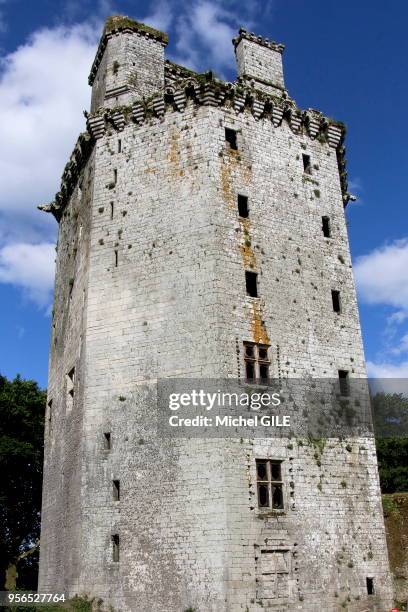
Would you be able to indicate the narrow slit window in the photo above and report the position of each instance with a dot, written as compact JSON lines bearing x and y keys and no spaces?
{"x":70,"y":382}
{"x":49,"y":410}
{"x":344,"y":382}
{"x":119,"y":146}
{"x":269,"y":484}
{"x":115,"y":548}
{"x":107,"y":440}
{"x":116,"y":258}
{"x":326,"y":227}
{"x":115,"y":176}
{"x":49,"y":414}
{"x":251,"y":281}
{"x":111,"y":210}
{"x":336,"y":300}
{"x":243,"y":206}
{"x":116,"y":490}
{"x":370,"y":586}
{"x":231,"y":138}
{"x":307,"y":166}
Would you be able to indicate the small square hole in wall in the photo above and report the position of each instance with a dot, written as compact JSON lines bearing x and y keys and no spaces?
{"x":243,"y":206}
{"x":231,"y":138}
{"x":307,"y":165}
{"x":370,"y":586}
{"x":251,"y":281}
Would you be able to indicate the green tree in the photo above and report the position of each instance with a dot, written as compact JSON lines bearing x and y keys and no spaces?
{"x":390,"y":416}
{"x":22,"y":406}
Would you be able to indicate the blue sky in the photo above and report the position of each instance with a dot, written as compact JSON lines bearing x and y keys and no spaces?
{"x":347,"y":59}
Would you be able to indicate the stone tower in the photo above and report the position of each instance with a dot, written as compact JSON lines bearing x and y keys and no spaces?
{"x":184,"y":192}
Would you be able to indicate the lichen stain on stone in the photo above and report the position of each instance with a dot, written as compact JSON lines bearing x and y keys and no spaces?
{"x":232,"y":165}
{"x":173,"y":156}
{"x":259,"y":333}
{"x":248,"y":255}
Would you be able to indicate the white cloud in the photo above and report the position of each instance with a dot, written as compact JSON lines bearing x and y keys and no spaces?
{"x":205,"y":31}
{"x":30,"y":267}
{"x":161,"y":17}
{"x":382,"y":279}
{"x":387,"y":370}
{"x":382,"y":275}
{"x":43,"y":89}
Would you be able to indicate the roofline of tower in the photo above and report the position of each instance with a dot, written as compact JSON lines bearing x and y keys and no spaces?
{"x":259,"y":40}
{"x":121,"y":24}
{"x":206,"y":93}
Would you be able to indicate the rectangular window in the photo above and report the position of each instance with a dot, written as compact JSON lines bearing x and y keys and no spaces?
{"x":344,"y":382}
{"x":243,"y":206}
{"x":326,"y":227}
{"x":251,"y":282}
{"x":115,"y":548}
{"x":116,"y":490}
{"x":231,"y":138}
{"x":307,"y":166}
{"x":269,"y":484}
{"x":107,"y":441}
{"x":336,"y":300}
{"x":257,"y":361}
{"x":370,"y":586}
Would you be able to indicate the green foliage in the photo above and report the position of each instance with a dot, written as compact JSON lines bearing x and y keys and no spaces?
{"x":390,"y":414}
{"x":22,"y":406}
{"x":389,"y":505}
{"x":390,"y":417}
{"x":392,"y":454}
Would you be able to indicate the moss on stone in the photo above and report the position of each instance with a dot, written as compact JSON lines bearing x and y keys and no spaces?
{"x":122,"y":22}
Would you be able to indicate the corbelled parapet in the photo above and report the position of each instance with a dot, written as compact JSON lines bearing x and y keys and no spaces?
{"x":79,"y":156}
{"x":129,"y":62}
{"x":175,"y":85}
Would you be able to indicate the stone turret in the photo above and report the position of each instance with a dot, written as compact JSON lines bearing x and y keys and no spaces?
{"x":129,"y":63}
{"x":259,"y":62}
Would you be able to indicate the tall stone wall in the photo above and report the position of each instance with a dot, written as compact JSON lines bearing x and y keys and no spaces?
{"x":162,"y":263}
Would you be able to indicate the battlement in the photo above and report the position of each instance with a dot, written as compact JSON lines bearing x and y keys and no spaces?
{"x":259,"y":40}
